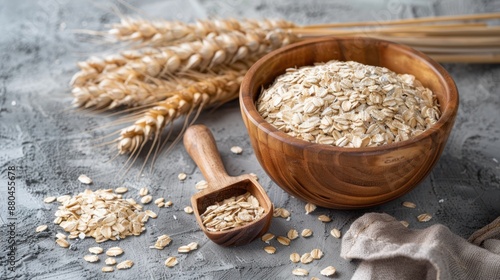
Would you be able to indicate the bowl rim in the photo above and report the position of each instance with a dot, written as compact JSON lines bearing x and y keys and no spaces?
{"x":247,"y":104}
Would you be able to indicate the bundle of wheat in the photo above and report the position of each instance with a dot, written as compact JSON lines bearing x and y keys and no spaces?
{"x":172,"y":70}
{"x":175,"y":69}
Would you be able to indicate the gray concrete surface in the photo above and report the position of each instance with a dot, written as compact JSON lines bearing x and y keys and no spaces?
{"x":50,"y":146}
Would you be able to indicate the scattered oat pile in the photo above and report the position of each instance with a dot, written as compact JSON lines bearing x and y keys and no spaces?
{"x":100,"y":214}
{"x":348,"y":104}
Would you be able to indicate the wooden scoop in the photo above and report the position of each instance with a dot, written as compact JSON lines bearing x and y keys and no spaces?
{"x":200,"y":144}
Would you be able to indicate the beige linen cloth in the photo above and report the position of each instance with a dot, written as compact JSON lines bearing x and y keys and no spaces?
{"x":388,"y":250}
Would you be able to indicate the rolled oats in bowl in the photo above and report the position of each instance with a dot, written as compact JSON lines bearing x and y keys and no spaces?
{"x":348,"y":104}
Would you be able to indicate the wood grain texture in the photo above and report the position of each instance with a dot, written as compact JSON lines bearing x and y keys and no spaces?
{"x":347,"y":178}
{"x":200,"y":144}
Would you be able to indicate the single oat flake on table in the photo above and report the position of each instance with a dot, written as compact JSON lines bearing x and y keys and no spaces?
{"x":236,"y":150}
{"x":424,"y":217}
{"x":324,"y":218}
{"x":182,"y":176}
{"x":84,"y":179}
{"x":121,"y":190}
{"x":336,"y":233}
{"x":171,"y":261}
{"x":41,"y":228}
{"x":107,"y":269}
{"x":306,"y":232}
{"x":316,"y":254}
{"x":306,"y":258}
{"x":96,"y":250}
{"x":295,"y":257}
{"x":283,"y":240}
{"x":270,"y":249}
{"x":267,"y":237}
{"x":146,"y":199}
{"x":62,"y":242}
{"x":91,"y":258}
{"x":114,"y":251}
{"x":125,"y":264}
{"x":162,"y":241}
{"x":409,"y":204}
{"x":49,"y":199}
{"x":328,"y":271}
{"x":188,"y":209}
{"x":309,"y":208}
{"x":300,"y":272}
{"x":292,"y":234}
{"x":143,"y":191}
{"x":110,"y":261}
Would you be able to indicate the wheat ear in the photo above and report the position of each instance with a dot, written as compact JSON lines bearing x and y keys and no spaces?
{"x":224,"y":48}
{"x":201,"y":56}
{"x":210,"y":52}
{"x":215,"y":90}
{"x":164,"y":33}
{"x":92,"y":68}
{"x":128,"y":88}
{"x":113,"y":92}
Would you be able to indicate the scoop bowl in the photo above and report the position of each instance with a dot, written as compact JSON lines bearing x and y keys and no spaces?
{"x":200,"y":144}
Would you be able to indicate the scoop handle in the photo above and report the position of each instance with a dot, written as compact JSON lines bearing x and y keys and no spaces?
{"x":200,"y":145}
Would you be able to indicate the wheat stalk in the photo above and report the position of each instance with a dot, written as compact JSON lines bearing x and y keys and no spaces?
{"x":161,"y":33}
{"x":127,"y":87}
{"x":130,"y":78}
{"x":164,"y":33}
{"x":213,"y":89}
{"x":203,"y":55}
{"x":92,"y":69}
{"x":114,"y":92}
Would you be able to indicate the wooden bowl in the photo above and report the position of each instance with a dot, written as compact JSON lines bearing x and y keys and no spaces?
{"x":347,"y":178}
